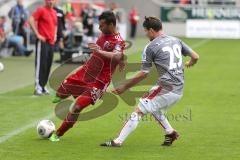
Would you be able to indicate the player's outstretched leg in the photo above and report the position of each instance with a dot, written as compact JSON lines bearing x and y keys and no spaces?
{"x":68,"y":123}
{"x":72,"y":117}
{"x":171,"y":134}
{"x":128,"y":128}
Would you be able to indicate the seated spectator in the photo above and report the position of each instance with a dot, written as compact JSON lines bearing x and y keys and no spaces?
{"x":19,"y":15}
{"x":88,"y":14}
{"x":16,"y":42}
{"x":78,"y":31}
{"x":9,"y":40}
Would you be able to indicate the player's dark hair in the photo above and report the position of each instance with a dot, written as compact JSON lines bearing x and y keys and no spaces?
{"x":152,"y":22}
{"x":109,"y":17}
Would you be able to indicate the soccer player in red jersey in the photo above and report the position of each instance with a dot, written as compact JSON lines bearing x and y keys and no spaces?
{"x":89,"y":83}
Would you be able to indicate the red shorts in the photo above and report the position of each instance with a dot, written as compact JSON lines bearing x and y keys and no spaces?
{"x":84,"y":93}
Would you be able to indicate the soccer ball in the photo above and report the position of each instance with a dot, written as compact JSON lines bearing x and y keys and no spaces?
{"x":1,"y":67}
{"x":45,"y":128}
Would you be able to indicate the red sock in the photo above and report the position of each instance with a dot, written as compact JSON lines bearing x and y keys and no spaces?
{"x":72,"y":118}
{"x":68,"y":123}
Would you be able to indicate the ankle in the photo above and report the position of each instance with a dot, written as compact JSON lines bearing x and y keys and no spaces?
{"x":118,"y":141}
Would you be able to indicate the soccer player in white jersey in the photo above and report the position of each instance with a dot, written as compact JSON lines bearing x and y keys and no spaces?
{"x":165,"y":52}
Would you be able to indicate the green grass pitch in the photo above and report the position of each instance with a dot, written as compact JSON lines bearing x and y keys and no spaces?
{"x":207,"y":117}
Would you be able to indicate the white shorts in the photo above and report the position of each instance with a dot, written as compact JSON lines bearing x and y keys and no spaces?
{"x":158,"y":100}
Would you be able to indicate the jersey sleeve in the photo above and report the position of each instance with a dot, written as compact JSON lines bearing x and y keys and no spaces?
{"x":147,"y":59}
{"x":37,"y":14}
{"x":186,"y":50}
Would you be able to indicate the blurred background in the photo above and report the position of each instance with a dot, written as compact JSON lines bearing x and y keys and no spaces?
{"x":191,"y":19}
{"x":179,"y":16}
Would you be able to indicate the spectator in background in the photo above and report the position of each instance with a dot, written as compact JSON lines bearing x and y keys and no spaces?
{"x":2,"y":29}
{"x":60,"y":30}
{"x":67,"y":8}
{"x":185,"y":1}
{"x":19,"y":16}
{"x":44,"y":24}
{"x":115,"y":9}
{"x":78,"y":31}
{"x":88,"y":15}
{"x":176,"y":1}
{"x":133,"y":19}
{"x":9,"y":40}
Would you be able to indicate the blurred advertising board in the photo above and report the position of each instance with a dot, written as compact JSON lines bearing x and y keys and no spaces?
{"x":182,"y":13}
{"x":220,"y":29}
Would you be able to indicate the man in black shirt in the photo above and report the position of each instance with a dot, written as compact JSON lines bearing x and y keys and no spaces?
{"x":60,"y":31}
{"x":88,"y":14}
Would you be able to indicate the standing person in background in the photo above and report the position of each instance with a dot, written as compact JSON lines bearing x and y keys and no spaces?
{"x":8,"y":40}
{"x":115,"y":9}
{"x":19,"y":17}
{"x":44,"y":24}
{"x":133,"y":19}
{"x":88,"y":15}
{"x":60,"y":30}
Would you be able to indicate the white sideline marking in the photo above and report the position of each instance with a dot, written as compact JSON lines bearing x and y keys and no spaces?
{"x":33,"y":124}
{"x":23,"y":129}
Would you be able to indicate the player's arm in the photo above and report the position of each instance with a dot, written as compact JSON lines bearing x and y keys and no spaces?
{"x":131,"y":82}
{"x":115,"y":55}
{"x":32,"y":24}
{"x":147,"y":60}
{"x":55,"y":34}
{"x":187,"y":51}
{"x":122,"y":64}
{"x":194,"y":58}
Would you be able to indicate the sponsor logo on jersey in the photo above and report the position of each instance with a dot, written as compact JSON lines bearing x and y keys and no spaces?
{"x":118,"y":47}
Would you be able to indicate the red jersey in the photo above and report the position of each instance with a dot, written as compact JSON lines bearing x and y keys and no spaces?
{"x":98,"y":70}
{"x":134,"y":17}
{"x":47,"y":23}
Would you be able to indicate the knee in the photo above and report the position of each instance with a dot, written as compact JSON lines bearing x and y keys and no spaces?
{"x":139,"y":112}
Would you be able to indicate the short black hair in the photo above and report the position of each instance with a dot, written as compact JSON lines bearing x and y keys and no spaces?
{"x":109,"y":17}
{"x":152,"y":22}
